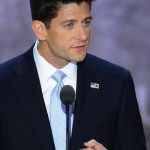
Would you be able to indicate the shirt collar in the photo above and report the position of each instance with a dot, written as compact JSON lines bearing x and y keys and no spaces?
{"x":46,"y":70}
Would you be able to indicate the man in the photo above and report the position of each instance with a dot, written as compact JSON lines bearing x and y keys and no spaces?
{"x":106,"y":113}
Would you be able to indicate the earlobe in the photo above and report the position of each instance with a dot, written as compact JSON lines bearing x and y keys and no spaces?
{"x":39,"y":29}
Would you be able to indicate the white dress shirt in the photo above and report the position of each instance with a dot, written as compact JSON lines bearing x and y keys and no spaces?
{"x":46,"y":70}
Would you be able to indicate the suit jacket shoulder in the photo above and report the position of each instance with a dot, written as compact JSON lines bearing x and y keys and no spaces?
{"x":101,"y":67}
{"x":22,"y":62}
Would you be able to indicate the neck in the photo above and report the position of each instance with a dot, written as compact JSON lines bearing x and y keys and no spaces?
{"x":47,"y":54}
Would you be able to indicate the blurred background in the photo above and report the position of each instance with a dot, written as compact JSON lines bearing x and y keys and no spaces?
{"x":120,"y":34}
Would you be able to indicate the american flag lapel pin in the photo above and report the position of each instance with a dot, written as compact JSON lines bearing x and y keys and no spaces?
{"x":94,"y":85}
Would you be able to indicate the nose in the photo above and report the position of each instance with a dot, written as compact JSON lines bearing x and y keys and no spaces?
{"x":82,"y":33}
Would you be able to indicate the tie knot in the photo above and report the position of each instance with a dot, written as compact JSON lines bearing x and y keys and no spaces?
{"x":58,"y":76}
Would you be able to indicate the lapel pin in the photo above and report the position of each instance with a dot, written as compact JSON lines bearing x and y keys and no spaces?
{"x":94,"y":85}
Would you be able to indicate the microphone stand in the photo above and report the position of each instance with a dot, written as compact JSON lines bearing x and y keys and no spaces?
{"x":67,"y":128}
{"x":67,"y":96}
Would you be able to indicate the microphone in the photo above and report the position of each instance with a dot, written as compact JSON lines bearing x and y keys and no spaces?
{"x":67,"y":96}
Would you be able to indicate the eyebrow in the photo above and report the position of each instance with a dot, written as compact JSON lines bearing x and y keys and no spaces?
{"x":90,"y":18}
{"x":87,"y":18}
{"x":73,"y":20}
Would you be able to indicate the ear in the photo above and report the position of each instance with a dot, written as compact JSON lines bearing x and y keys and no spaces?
{"x":39,"y":29}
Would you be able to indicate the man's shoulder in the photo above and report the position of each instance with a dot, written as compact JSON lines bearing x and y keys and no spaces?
{"x":105,"y":67}
{"x":7,"y":67}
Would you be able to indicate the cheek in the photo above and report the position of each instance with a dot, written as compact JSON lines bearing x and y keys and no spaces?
{"x":89,"y":33}
{"x":61,"y":39}
{"x":65,"y":43}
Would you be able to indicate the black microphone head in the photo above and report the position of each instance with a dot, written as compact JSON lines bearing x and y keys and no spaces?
{"x":67,"y":95}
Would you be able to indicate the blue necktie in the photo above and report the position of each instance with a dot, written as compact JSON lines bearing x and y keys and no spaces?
{"x":57,"y":113}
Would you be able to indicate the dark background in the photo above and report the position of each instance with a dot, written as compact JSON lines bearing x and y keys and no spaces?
{"x":120,"y":34}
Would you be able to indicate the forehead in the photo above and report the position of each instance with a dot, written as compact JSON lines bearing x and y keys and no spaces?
{"x":73,"y":10}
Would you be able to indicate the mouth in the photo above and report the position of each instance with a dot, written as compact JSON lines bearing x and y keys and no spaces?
{"x":79,"y":47}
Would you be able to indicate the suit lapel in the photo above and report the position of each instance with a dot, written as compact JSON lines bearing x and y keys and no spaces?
{"x":27,"y":88}
{"x":86,"y":102}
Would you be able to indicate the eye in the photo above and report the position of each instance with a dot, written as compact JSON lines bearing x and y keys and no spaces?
{"x":68,"y":25}
{"x":87,"y":23}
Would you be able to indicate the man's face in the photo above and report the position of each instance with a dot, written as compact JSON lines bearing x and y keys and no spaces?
{"x":69,"y":33}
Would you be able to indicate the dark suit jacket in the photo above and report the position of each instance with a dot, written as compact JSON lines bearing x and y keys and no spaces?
{"x":109,"y":114}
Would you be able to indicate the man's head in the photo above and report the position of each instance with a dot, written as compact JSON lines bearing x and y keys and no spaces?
{"x":46,"y":10}
{"x":64,"y":33}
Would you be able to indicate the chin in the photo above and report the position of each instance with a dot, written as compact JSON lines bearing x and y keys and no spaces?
{"x":79,"y":59}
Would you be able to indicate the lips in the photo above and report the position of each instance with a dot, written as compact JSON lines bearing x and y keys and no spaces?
{"x":80,"y":47}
